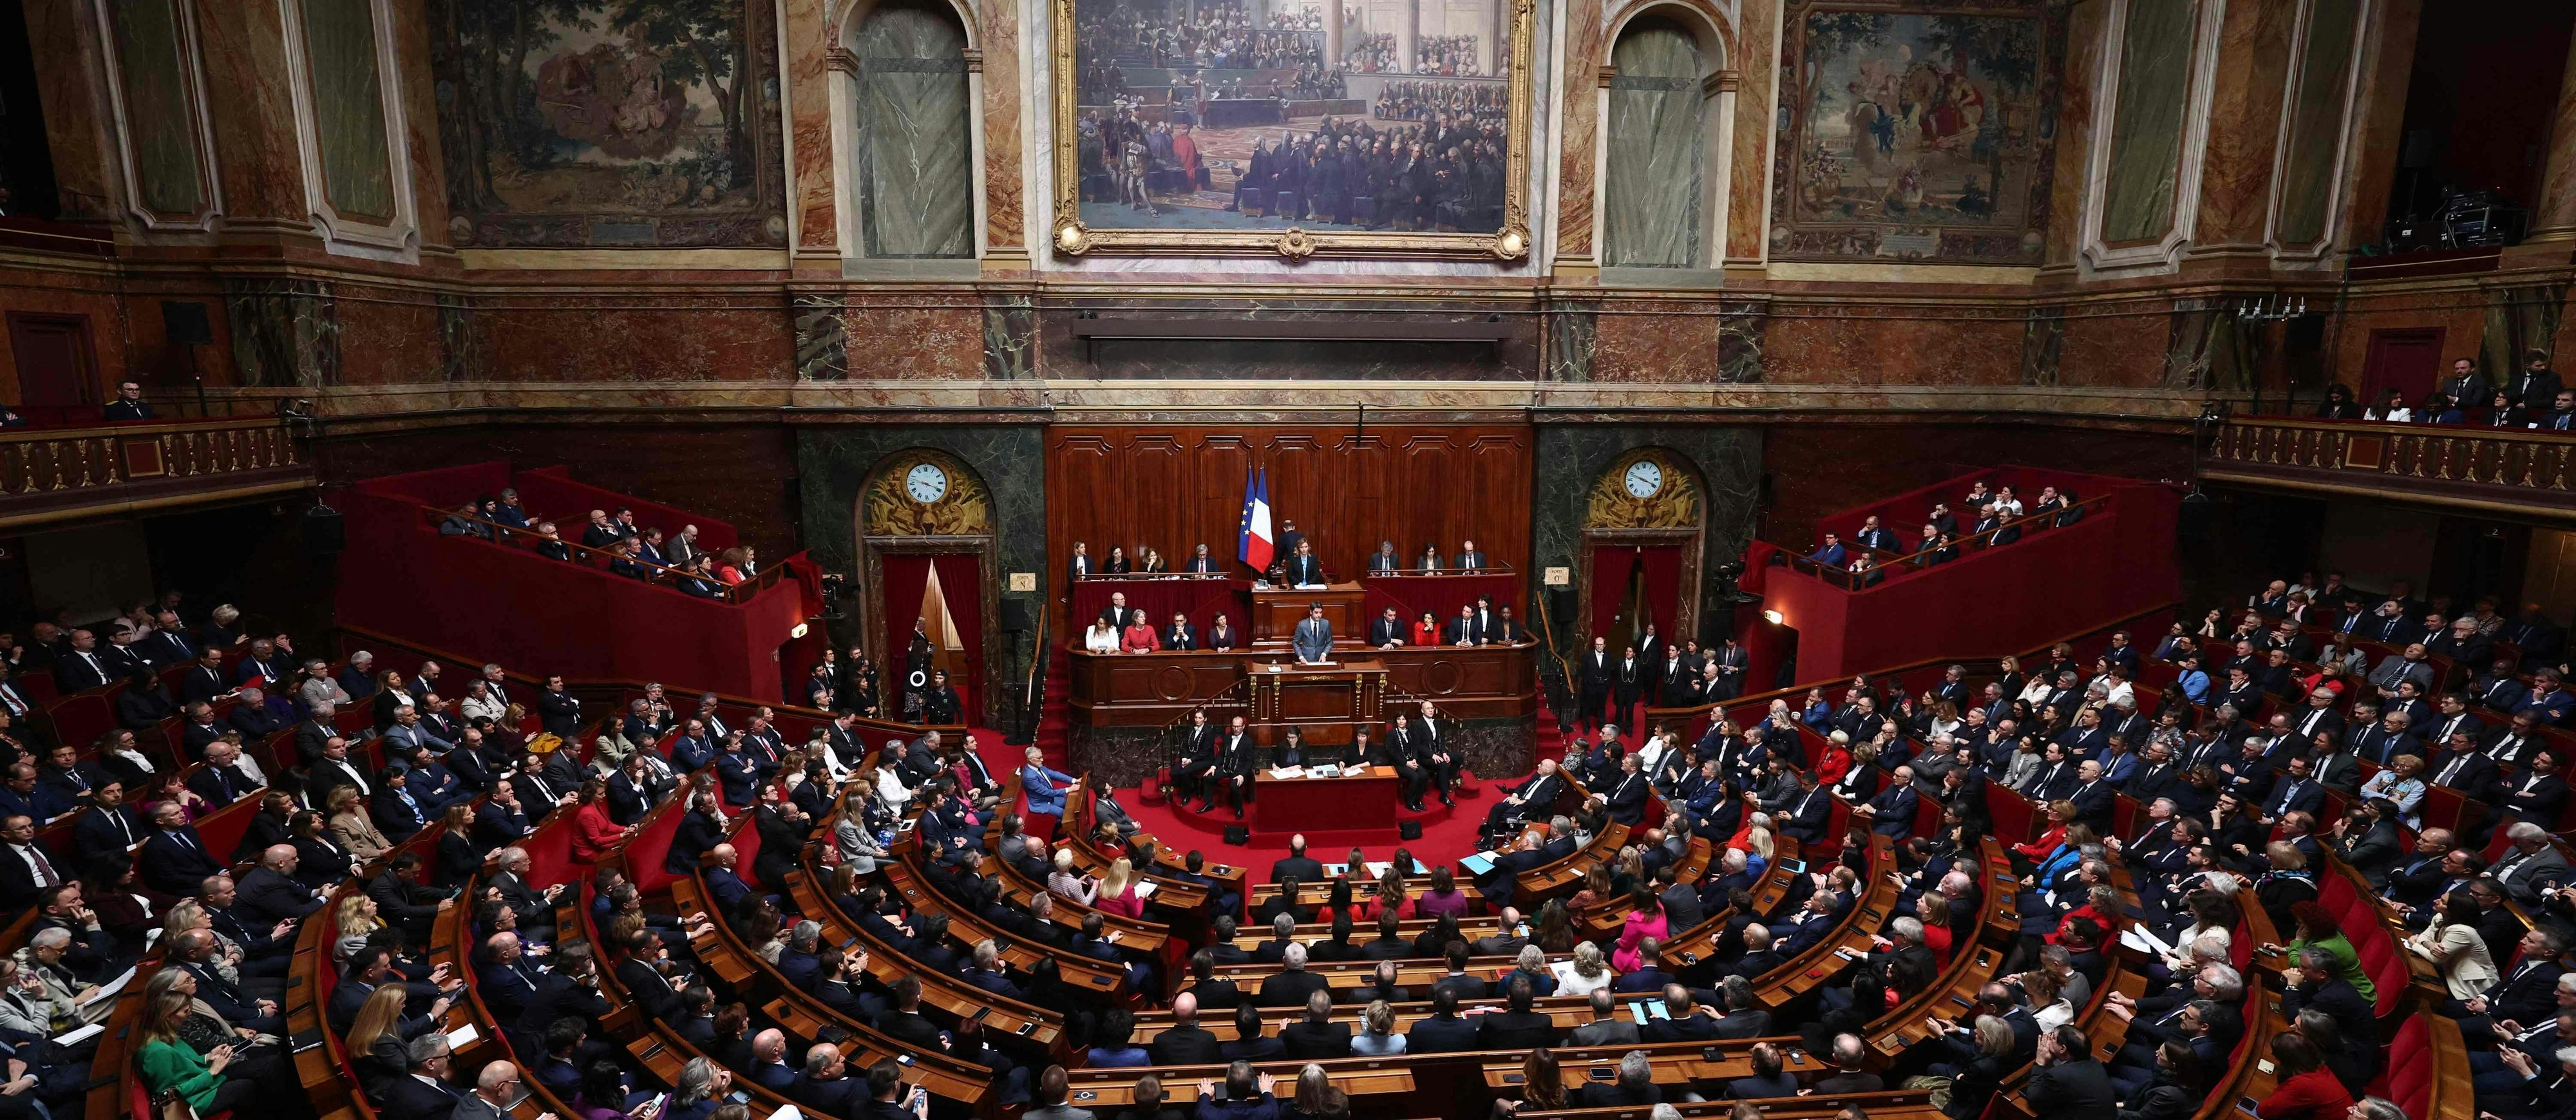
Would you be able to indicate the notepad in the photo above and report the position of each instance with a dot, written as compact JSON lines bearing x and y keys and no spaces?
{"x":1144,"y":889}
{"x":458,"y":1038}
{"x":108,"y":990}
{"x":1287,"y":771}
{"x":78,"y":1035}
{"x":1478,"y":864}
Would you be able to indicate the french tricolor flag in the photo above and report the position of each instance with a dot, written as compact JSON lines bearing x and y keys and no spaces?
{"x":1252,"y":542}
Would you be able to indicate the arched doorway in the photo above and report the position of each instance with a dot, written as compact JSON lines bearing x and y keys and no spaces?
{"x":1640,"y":560}
{"x":928,"y":558}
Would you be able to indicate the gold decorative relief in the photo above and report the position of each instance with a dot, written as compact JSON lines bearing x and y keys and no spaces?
{"x":1648,"y":488}
{"x":892,"y":505}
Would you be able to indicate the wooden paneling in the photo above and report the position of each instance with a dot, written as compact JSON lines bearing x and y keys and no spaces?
{"x":1177,"y":487}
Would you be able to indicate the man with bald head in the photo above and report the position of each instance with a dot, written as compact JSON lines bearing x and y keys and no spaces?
{"x":1185,"y":1042}
{"x":769,"y":1061}
{"x":507,"y":980}
{"x":270,"y":894}
{"x":495,"y":1089}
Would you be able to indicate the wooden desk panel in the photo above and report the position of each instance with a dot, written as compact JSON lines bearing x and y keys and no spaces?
{"x":1154,"y":689}
{"x":1277,"y":610}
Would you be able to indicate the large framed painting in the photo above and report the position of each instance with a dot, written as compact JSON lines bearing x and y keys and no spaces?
{"x":610,"y":123}
{"x":1345,"y":128}
{"x":1921,"y":131}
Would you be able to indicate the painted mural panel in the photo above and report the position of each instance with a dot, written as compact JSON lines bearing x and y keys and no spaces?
{"x":610,"y":122}
{"x":1921,"y":131}
{"x":2147,"y":121}
{"x":160,"y":121}
{"x":2317,"y":121}
{"x":349,"y":107}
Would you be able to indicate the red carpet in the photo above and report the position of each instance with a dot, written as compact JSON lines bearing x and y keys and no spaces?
{"x":1446,"y":834}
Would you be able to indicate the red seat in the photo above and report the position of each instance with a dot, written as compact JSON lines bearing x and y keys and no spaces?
{"x":2409,"y":1078}
{"x":1151,"y":792}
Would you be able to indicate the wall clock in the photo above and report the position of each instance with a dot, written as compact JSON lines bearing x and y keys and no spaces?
{"x":1644,"y":478}
{"x":927,"y":483}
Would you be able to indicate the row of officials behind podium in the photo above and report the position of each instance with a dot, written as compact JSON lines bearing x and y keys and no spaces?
{"x":1296,"y":562}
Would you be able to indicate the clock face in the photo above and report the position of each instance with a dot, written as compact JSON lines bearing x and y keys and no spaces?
{"x":926,"y":483}
{"x":1645,"y":478}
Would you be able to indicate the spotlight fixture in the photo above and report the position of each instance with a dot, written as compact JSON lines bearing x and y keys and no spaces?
{"x":799,"y":632}
{"x":1774,"y":618}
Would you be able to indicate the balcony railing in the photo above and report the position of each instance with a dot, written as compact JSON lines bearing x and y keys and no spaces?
{"x":56,"y":474}
{"x":2499,"y":469}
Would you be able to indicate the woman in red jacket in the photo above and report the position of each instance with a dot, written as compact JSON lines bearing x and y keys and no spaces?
{"x":2059,"y":812}
{"x":2304,"y":1089}
{"x":1836,"y":760}
{"x":593,"y":834}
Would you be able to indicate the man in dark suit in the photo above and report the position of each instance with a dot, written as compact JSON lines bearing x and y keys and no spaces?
{"x":1807,"y":811}
{"x":424,"y":1093}
{"x":1769,"y":1078}
{"x":81,"y":666}
{"x":111,"y":825}
{"x":1629,"y":678}
{"x":2538,"y":794}
{"x":175,"y":860}
{"x":2536,"y":387}
{"x":2069,"y":1082}
{"x":1290,"y":986}
{"x":1535,"y":797}
{"x":404,"y":901}
{"x":1518,"y":1027}
{"x":269,"y":894}
{"x":1387,"y":631}
{"x":1608,"y":1027}
{"x":1596,"y":673}
{"x":1444,"y":1032}
{"x":1306,"y":870}
{"x":1626,"y":795}
{"x":1499,"y":883}
{"x":1185,"y":1043}
{"x":1316,"y":1036}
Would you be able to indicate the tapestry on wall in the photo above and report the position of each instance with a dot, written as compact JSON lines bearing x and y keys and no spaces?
{"x":1920,"y":131}
{"x":612,"y":123}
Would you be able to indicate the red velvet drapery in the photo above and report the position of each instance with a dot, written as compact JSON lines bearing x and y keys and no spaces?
{"x":961,"y":580}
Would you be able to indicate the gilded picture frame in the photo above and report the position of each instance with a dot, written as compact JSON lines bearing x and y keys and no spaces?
{"x":1072,"y":236}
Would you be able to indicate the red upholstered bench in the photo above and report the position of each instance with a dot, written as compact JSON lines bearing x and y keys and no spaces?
{"x":1151,"y":793}
{"x":2382,"y":958}
{"x":2408,"y":1080}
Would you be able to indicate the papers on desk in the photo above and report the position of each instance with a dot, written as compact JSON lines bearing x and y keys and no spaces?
{"x":1327,"y":770}
{"x":1287,"y":771}
{"x":78,"y":1035}
{"x":2145,"y":941}
{"x":1645,"y":1009}
{"x":108,"y":990}
{"x":1478,"y":863}
{"x":458,"y":1038}
{"x":1144,"y":889}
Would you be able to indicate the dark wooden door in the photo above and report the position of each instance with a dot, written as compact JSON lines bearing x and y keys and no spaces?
{"x":57,"y":367}
{"x":2409,"y":361}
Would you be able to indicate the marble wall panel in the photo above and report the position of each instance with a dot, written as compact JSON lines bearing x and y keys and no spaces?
{"x":340,"y":48}
{"x":608,"y":338}
{"x":1757,"y":62}
{"x":917,"y":339}
{"x":1643,"y":340}
{"x":261,"y":165}
{"x":2251,"y":76}
{"x":2043,"y":344}
{"x":460,"y":346}
{"x":1578,"y":84}
{"x":1572,"y":327}
{"x":822,"y":342}
{"x":1829,"y":344}
{"x":1062,"y":355}
{"x":2085,"y":22}
{"x":390,"y":336}
{"x":1739,"y":341}
{"x":2115,"y":345}
{"x":1005,"y":203}
{"x":285,"y":332}
{"x":807,"y":74}
{"x":77,"y":118}
{"x":1010,"y":336}
{"x":2147,"y":120}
